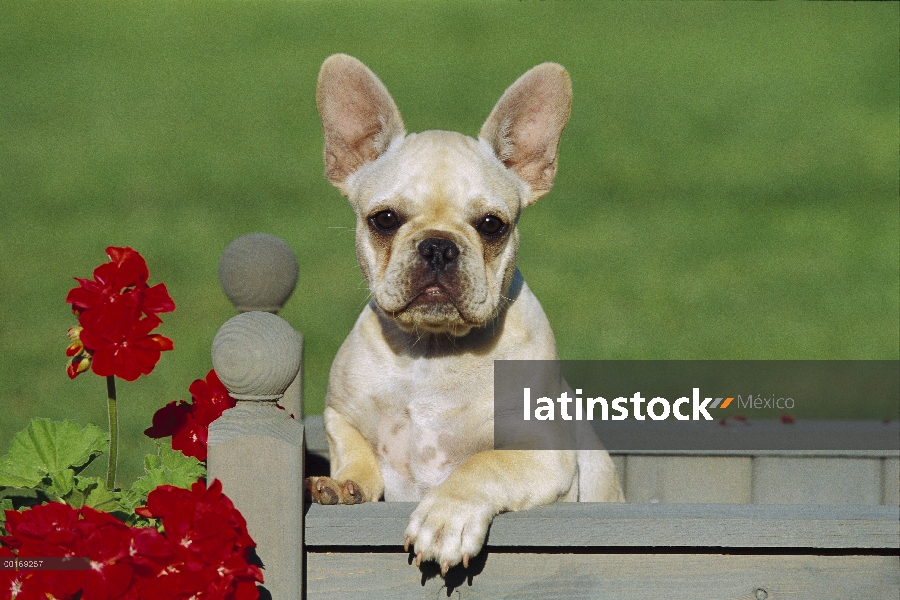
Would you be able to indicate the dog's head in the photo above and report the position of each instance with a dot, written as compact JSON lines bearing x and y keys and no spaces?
{"x":437,"y":211}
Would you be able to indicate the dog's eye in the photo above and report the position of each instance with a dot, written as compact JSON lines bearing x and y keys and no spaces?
{"x":491,"y":226}
{"x":385,"y":221}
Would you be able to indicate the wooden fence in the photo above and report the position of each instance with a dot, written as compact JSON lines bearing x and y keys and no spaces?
{"x":732,"y":524}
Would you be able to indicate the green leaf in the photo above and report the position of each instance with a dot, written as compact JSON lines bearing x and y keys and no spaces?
{"x":129,"y":499}
{"x":169,"y":467}
{"x":19,"y":475}
{"x":25,"y":497}
{"x":96,"y":495}
{"x":62,"y":483}
{"x":46,"y":447}
{"x":5,"y":505}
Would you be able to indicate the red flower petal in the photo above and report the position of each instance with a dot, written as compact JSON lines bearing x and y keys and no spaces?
{"x":156,"y":299}
{"x":247,"y":590}
{"x":123,"y":352}
{"x":191,"y":438}
{"x":159,"y":342}
{"x":169,"y":419}
{"x":131,"y":266}
{"x":142,"y":511}
{"x":27,"y":585}
{"x":84,"y":297}
{"x":111,"y":322}
{"x":144,"y":326}
{"x":211,"y":398}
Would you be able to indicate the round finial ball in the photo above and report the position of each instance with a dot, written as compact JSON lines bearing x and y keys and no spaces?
{"x":258,"y":271}
{"x":256,"y":355}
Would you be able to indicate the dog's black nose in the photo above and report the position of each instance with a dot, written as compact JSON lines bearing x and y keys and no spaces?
{"x":439,"y":253}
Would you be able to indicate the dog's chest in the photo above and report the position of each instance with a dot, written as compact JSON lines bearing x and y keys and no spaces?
{"x":423,"y":432}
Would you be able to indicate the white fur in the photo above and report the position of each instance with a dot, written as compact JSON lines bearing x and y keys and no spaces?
{"x":409,"y":409}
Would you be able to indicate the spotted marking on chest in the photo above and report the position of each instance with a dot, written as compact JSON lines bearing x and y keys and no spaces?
{"x":412,"y":460}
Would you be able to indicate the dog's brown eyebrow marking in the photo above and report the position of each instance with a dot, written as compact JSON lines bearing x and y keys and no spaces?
{"x":382,"y":243}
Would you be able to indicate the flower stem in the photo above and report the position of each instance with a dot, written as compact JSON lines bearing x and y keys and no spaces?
{"x":113,"y":433}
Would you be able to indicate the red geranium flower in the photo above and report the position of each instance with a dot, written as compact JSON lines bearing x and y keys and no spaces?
{"x":43,"y":530}
{"x":182,"y":512}
{"x":202,"y":554}
{"x":22,"y":585}
{"x":114,"y":339}
{"x":188,"y":423}
{"x":123,"y":347}
{"x":170,"y":418}
{"x":178,"y":420}
{"x":122,"y":281}
{"x":210,"y":537}
{"x":210,"y":397}
{"x":106,"y":541}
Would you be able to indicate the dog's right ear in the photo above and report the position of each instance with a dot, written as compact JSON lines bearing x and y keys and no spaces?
{"x":359,"y":117}
{"x":525,"y":126}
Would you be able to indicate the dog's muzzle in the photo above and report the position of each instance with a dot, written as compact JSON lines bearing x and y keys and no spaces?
{"x":439,"y":253}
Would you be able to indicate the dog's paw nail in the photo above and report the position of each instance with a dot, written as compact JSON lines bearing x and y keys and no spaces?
{"x":419,"y":559}
{"x":322,"y":492}
{"x":445,"y":566}
{"x":327,"y":496}
{"x":466,"y":558}
{"x":351,"y":493}
{"x":406,"y":544}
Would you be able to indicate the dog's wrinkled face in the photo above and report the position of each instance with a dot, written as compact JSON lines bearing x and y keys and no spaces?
{"x":437,"y":211}
{"x":436,"y":231}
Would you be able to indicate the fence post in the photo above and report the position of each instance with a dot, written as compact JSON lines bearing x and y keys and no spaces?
{"x":258,"y":271}
{"x":255,"y":449}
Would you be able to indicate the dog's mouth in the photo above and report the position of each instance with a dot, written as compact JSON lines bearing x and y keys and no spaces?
{"x":436,"y":307}
{"x":432,"y":294}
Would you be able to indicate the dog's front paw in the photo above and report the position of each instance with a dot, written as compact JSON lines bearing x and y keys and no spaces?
{"x":325,"y":490}
{"x":448,"y":528}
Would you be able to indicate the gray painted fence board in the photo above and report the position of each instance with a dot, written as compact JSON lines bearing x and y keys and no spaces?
{"x":631,"y":525}
{"x":619,"y":461}
{"x":315,"y":434}
{"x":788,"y":480}
{"x":610,"y":576}
{"x":891,"y":481}
{"x":742,"y":476}
{"x":600,"y":550}
{"x":316,"y":442}
{"x":708,"y":479}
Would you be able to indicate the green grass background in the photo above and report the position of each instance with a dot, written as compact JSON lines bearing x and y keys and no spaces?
{"x":728,"y":182}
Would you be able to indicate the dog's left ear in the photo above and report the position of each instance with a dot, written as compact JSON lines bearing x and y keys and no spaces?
{"x":525,"y":126}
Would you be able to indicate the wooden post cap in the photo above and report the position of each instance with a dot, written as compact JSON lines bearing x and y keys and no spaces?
{"x":256,"y":356}
{"x":258,"y":271}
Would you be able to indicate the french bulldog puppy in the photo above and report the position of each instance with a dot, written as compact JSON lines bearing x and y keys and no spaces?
{"x":409,"y":411}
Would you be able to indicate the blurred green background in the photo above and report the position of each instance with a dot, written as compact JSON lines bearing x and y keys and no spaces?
{"x":728,"y":182}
